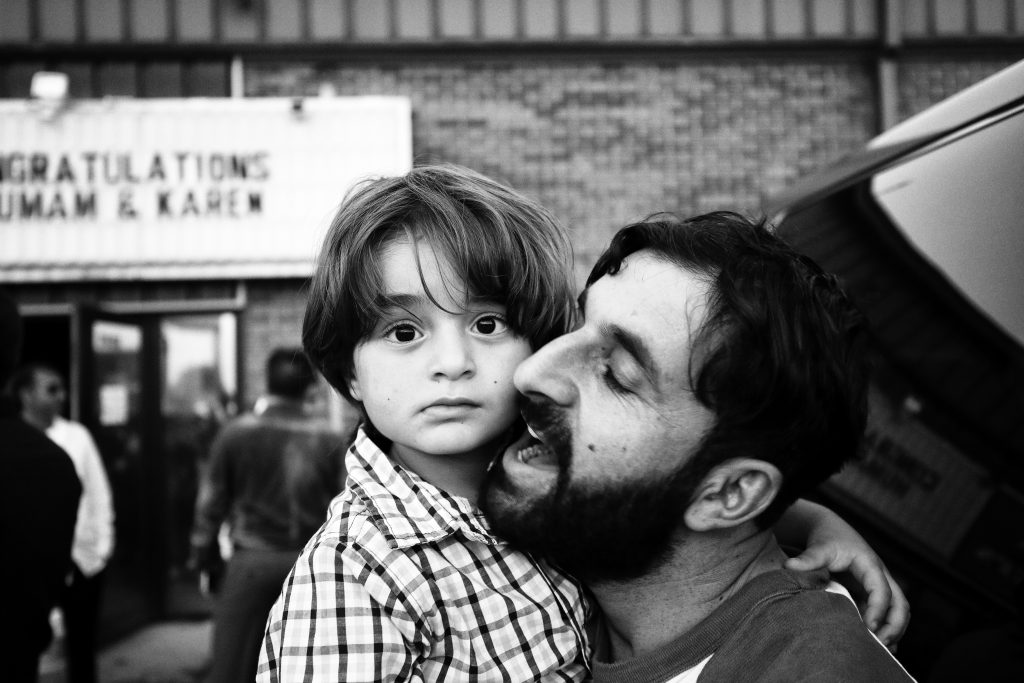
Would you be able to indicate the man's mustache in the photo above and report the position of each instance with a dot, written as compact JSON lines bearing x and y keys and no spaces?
{"x":540,"y":412}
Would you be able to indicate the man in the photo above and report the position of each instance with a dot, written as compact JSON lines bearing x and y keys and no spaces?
{"x":715,"y":377}
{"x":41,"y":394}
{"x":271,"y":476}
{"x":39,"y":494}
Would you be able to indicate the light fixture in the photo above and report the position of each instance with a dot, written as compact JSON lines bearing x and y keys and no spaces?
{"x":49,"y":93}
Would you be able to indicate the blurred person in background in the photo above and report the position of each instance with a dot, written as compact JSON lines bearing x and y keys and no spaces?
{"x":41,"y":395}
{"x":271,"y":476}
{"x":39,"y":500}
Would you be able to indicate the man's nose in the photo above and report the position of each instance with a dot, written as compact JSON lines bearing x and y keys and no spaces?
{"x":453,"y":355}
{"x":549,"y":372}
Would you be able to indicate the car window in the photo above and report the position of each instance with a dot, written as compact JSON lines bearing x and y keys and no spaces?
{"x":962,"y":206}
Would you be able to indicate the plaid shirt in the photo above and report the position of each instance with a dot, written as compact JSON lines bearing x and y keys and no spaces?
{"x":405,"y":582}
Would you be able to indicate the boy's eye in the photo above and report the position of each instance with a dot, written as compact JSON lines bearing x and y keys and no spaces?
{"x":490,"y":324}
{"x":402,"y":333}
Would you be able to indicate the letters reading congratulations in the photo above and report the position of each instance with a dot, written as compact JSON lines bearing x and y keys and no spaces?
{"x":49,"y":186}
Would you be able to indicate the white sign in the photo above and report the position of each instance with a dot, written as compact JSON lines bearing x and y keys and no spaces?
{"x":915,"y":479}
{"x":186,"y":188}
{"x":113,"y":405}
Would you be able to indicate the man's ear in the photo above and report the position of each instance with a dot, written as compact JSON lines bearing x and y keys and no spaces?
{"x":733,"y":493}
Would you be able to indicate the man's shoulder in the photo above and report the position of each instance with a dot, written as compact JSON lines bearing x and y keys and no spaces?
{"x":248,"y":424}
{"x":32,"y":463}
{"x":27,"y":447}
{"x":804,"y":634}
{"x":240,"y":423}
{"x":70,"y":428}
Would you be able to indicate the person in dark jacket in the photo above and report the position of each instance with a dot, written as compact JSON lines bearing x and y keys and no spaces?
{"x":271,"y":477}
{"x":39,"y":494}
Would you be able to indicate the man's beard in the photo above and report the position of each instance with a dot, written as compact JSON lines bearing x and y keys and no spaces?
{"x":597,"y":533}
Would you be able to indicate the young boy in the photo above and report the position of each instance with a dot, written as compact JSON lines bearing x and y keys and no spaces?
{"x":430,"y":289}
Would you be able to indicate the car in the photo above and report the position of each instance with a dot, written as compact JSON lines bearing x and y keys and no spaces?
{"x":925,"y":228}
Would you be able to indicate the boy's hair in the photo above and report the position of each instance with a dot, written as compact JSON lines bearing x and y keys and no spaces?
{"x":505,"y":247}
{"x":781,"y":356}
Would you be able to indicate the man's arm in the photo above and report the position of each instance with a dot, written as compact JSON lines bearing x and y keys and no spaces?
{"x":212,"y":504}
{"x":833,"y":544}
{"x":99,"y":502}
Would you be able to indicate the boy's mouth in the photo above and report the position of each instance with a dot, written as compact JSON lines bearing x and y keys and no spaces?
{"x":446,"y":406}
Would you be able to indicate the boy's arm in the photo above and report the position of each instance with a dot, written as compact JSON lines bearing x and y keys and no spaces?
{"x":833,"y":544}
{"x":326,"y":626}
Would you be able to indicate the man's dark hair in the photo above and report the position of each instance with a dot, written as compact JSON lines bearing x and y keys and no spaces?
{"x":289,"y":373}
{"x":780,"y":357}
{"x":25,"y":377}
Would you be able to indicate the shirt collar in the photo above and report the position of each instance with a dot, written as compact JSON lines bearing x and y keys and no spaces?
{"x":701,"y":641}
{"x":407,"y":509}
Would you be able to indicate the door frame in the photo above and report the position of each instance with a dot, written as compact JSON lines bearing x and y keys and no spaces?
{"x":82,"y":398}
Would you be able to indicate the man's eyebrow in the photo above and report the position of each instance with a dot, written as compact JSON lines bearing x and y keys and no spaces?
{"x":634,"y":346}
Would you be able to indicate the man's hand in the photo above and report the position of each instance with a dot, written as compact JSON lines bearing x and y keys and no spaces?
{"x":882,"y":603}
{"x":208,"y":565}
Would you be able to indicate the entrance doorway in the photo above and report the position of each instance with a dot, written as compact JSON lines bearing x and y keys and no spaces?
{"x":153,"y":389}
{"x":198,"y":393}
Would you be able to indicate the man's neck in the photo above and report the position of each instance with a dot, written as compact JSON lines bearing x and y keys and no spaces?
{"x":40,"y":422}
{"x":276,"y":402}
{"x":647,"y":613}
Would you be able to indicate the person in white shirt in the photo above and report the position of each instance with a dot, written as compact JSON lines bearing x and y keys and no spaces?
{"x":41,"y":394}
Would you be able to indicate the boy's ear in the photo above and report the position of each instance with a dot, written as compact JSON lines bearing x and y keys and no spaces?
{"x":733,"y":493}
{"x":353,"y":389}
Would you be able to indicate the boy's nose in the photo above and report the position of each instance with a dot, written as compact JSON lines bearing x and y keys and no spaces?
{"x":453,"y":357}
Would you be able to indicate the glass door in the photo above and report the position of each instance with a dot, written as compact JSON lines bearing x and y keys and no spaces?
{"x":116,"y":404}
{"x":199,"y":371}
{"x":154,"y":391}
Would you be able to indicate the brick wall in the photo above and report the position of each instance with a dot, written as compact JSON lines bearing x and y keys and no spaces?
{"x":602,"y":143}
{"x":923,"y":82}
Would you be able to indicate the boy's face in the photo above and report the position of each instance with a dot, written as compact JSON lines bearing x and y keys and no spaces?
{"x":436,"y":382}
